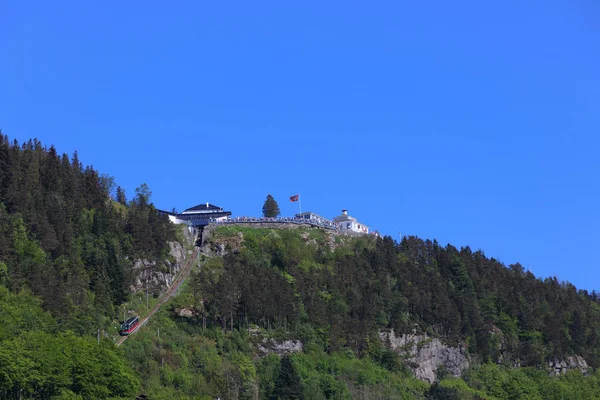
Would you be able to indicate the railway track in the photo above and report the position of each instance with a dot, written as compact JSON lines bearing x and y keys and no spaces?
{"x":183,"y":274}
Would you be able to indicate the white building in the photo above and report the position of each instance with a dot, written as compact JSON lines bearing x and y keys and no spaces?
{"x":175,"y":220}
{"x":346,"y":222}
{"x":203,"y":214}
{"x":312,"y":217}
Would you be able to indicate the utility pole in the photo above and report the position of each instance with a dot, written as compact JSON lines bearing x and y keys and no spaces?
{"x":147,"y":289}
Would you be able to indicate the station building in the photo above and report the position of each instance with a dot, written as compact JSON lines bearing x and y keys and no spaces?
{"x":201,"y":215}
{"x":346,"y":222}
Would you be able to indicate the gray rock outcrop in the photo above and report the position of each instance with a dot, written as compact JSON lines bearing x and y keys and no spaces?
{"x":219,"y":247}
{"x":560,"y":367}
{"x":425,"y":355}
{"x":282,"y":348}
{"x":185,"y":312}
{"x":158,"y":277}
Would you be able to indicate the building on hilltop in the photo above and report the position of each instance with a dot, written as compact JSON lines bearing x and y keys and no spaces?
{"x":346,"y":222}
{"x":203,"y":214}
{"x":312,"y":217}
{"x":172,"y":215}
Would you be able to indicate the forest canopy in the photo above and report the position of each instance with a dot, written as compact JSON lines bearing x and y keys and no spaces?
{"x":367,"y":285}
{"x":69,"y":238}
{"x":64,"y":237}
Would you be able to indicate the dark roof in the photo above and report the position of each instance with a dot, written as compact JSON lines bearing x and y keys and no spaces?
{"x":203,"y":217}
{"x":213,"y":214}
{"x":204,"y":207}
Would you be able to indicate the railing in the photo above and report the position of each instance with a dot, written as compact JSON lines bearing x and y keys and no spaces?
{"x":283,"y":220}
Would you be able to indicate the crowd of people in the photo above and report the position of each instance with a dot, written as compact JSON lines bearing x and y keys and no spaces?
{"x":287,"y":220}
{"x":321,"y":223}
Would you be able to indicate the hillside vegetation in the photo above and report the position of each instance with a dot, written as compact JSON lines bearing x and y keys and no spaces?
{"x":286,"y":279}
{"x":38,"y":360}
{"x":336,"y":295}
{"x":66,"y":257}
{"x":63,"y":237}
{"x":270,"y":313}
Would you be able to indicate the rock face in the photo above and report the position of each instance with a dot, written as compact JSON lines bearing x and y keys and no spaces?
{"x":212,"y":247}
{"x":220,"y":246}
{"x":282,"y":348}
{"x":158,"y":277}
{"x":426,"y":355}
{"x":560,"y":367}
{"x":185,"y":312}
{"x":177,"y":251}
{"x":216,"y":249}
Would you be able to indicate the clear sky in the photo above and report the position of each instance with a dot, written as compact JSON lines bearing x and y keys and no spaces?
{"x":472,"y":122}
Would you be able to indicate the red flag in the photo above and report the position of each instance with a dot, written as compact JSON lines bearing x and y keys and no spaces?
{"x":294,"y":198}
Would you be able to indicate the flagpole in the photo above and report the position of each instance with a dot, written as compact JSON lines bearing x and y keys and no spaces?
{"x":300,"y":203}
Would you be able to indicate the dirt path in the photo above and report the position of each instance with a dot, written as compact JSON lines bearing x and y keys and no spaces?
{"x":183,"y":274}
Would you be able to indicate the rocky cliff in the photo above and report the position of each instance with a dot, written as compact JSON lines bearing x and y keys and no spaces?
{"x":560,"y":367}
{"x":159,"y":275}
{"x":426,"y":355}
{"x":281,"y":348}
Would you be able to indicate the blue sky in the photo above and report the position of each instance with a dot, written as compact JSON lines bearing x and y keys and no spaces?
{"x":475,"y":123}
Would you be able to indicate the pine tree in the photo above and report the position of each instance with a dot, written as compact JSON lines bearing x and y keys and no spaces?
{"x":121,"y":197}
{"x":270,"y":208}
{"x":287,"y":384}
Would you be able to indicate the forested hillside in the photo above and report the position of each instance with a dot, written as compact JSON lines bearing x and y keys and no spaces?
{"x":336,"y":295}
{"x":270,"y":313}
{"x":66,"y":253}
{"x":38,"y":360}
{"x":280,"y":279}
{"x":65,"y":238}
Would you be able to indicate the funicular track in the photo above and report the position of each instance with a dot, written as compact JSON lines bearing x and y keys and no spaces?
{"x":183,"y":274}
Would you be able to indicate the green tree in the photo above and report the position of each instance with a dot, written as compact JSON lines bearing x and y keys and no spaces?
{"x":437,"y":392}
{"x":287,"y":384}
{"x":270,"y":208}
{"x":3,"y":273}
{"x":121,"y":197}
{"x":142,"y":195}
